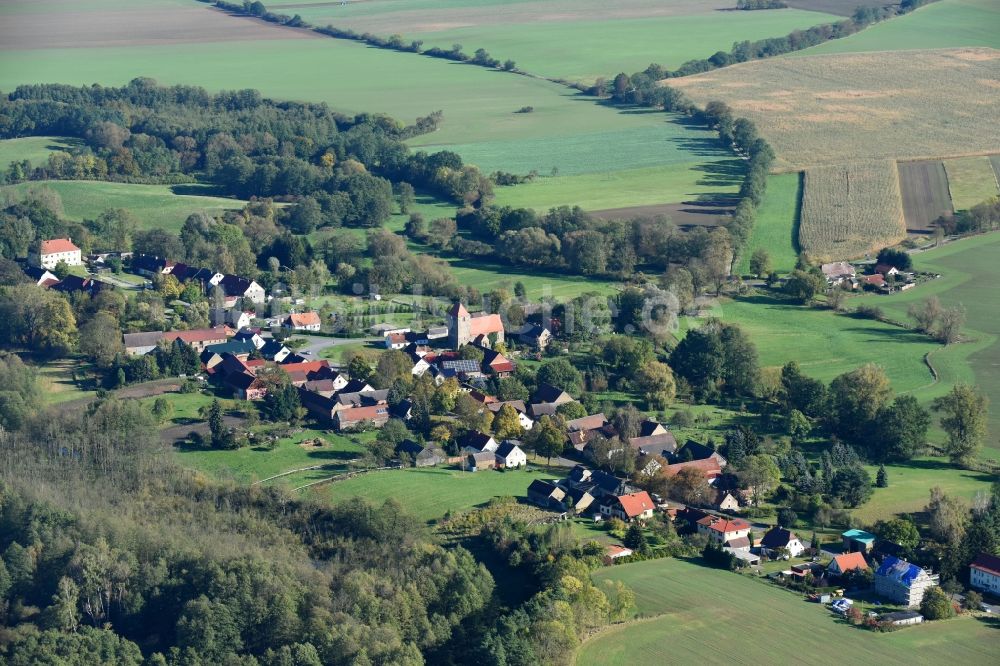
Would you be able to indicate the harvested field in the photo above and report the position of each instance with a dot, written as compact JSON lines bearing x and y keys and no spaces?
{"x":150,"y":24}
{"x":839,"y":108}
{"x":924,"y":187}
{"x":838,"y":7}
{"x":688,"y":214}
{"x":971,"y":181}
{"x":850,"y":210}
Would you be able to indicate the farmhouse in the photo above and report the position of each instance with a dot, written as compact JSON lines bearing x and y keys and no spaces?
{"x":422,"y":456}
{"x":710,"y":467}
{"x":578,"y":500}
{"x":200,"y":338}
{"x":40,"y":276}
{"x":481,"y":460}
{"x":357,"y":417}
{"x":303,"y":321}
{"x":246,"y":386}
{"x":232,"y":317}
{"x":637,"y":506}
{"x":496,"y":364}
{"x":838,"y":272}
{"x":510,"y":456}
{"x":725,"y":501}
{"x":240,"y":287}
{"x":475,"y":441}
{"x":779,"y":540}
{"x":902,"y":582}
{"x":56,"y":251}
{"x":582,"y":430}
{"x":463,"y":328}
{"x":546,"y":494}
{"x":723,"y":530}
{"x":140,"y":344}
{"x":535,"y":335}
{"x":518,"y":406}
{"x":845,"y":562}
{"x":984,"y":573}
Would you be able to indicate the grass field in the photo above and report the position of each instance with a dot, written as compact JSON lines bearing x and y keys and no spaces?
{"x":485,"y":276}
{"x":924,"y":188}
{"x":155,"y":206}
{"x":777,"y":225}
{"x":909,"y":487}
{"x":36,"y":149}
{"x":620,"y":189}
{"x":850,"y":210}
{"x":840,"y":108}
{"x":944,"y":24}
{"x":966,"y":266}
{"x":701,"y":615}
{"x":430,"y":493}
{"x":971,"y":181}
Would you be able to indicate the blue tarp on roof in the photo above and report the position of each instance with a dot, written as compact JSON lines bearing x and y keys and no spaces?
{"x":900,"y":570}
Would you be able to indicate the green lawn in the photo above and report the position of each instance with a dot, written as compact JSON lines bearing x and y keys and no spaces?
{"x":909,"y":487}
{"x":485,"y":276}
{"x":944,"y":24}
{"x":56,"y":380}
{"x":429,"y":493}
{"x":36,"y":149}
{"x":619,"y":189}
{"x":257,"y":463}
{"x":971,"y":181}
{"x":155,"y":206}
{"x":969,"y":272}
{"x":776,"y":226}
{"x":708,"y":616}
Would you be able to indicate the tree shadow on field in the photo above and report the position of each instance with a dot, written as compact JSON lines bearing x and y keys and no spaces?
{"x":767,"y":300}
{"x":703,"y":146}
{"x":199,"y":190}
{"x":896,"y":334}
{"x":723,"y":173}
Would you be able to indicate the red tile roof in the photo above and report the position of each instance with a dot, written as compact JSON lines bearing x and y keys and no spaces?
{"x":56,"y":245}
{"x":710,"y":466}
{"x":849,"y":561}
{"x":614,"y":551}
{"x":724,"y":525}
{"x":370,"y":413}
{"x":198,"y":334}
{"x":304,"y":319}
{"x":485,"y":324}
{"x":635,"y":504}
{"x":988,"y":563}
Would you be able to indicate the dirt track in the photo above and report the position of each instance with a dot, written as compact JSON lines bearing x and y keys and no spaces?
{"x":142,"y":26}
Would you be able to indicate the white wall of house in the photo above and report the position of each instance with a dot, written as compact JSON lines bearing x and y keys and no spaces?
{"x":984,"y":581}
{"x":49,"y":261}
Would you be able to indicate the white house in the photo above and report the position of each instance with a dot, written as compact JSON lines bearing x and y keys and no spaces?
{"x":723,"y":530}
{"x":779,"y":539}
{"x":509,"y":455}
{"x":984,"y":573}
{"x":902,"y":582}
{"x":637,"y":506}
{"x":233,"y":317}
{"x":55,"y":251}
{"x":303,"y":321}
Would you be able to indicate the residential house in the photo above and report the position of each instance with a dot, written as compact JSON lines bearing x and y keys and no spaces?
{"x":693,"y":451}
{"x":886,"y":270}
{"x":723,"y":530}
{"x":482,"y":329}
{"x":984,"y":573}
{"x":779,"y":540}
{"x":546,"y":494}
{"x":356,"y":386}
{"x":725,"y":501}
{"x":302,"y":321}
{"x":140,"y":344}
{"x":635,"y":506}
{"x":614,"y":552}
{"x":510,"y":456}
{"x":546,"y":393}
{"x":395,"y":341}
{"x":582,"y":430}
{"x":480,"y":460}
{"x":246,"y":386}
{"x":275,"y":351}
{"x":496,"y":364}
{"x":578,"y":500}
{"x":422,"y":456}
{"x":858,"y":540}
{"x":233,"y":317}
{"x":518,"y":406}
{"x":709,"y":467}
{"x":838,"y":272}
{"x":602,"y":484}
{"x":901,"y":582}
{"x":535,"y":335}
{"x":40,"y":276}
{"x":660,"y":444}
{"x":251,"y":334}
{"x":477,"y":441}
{"x":234,"y":285}
{"x":902,"y":618}
{"x":358,"y":417}
{"x":845,"y":562}
{"x":55,"y":251}
{"x":86,"y":285}
{"x":149,"y":265}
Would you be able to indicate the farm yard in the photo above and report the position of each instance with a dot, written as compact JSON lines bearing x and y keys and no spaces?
{"x":840,"y":108}
{"x":848,"y":211}
{"x":924,"y":187}
{"x":684,"y":609}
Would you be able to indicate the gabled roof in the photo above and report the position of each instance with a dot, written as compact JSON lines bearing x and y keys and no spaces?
{"x":507,"y":447}
{"x":356,"y":386}
{"x":355,"y":414}
{"x":549,"y":393}
{"x":709,"y":466}
{"x":609,"y":483}
{"x":739,"y":542}
{"x":543,"y":409}
{"x":724,"y":525}
{"x":516,"y":405}
{"x":484,"y":324}
{"x":655,"y":444}
{"x":848,"y":561}
{"x":359,"y":398}
{"x":987,"y":563}
{"x":198,"y":335}
{"x":467,"y":366}
{"x":482,"y":457}
{"x":476,"y":440}
{"x":635,"y":504}
{"x":56,"y":245}
{"x":649,"y":427}
{"x":146,"y":339}
{"x":457,"y":310}
{"x":303,"y":319}
{"x":778,"y":537}
{"x":546,"y":488}
{"x":592,"y":422}
{"x":899,"y":570}
{"x":698,"y":451}
{"x":242,"y":380}
{"x":234,"y":285}
{"x":232,"y":347}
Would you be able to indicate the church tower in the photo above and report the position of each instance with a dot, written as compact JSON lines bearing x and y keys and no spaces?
{"x":459,"y":326}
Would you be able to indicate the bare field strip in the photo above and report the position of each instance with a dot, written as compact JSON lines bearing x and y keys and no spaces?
{"x":144,"y":25}
{"x":971,"y":181}
{"x":850,"y":210}
{"x":839,"y":7}
{"x":924,"y":188}
{"x":835,"y":109}
{"x":684,"y":215}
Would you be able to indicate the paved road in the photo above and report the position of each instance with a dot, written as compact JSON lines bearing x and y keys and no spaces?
{"x":316,"y":344}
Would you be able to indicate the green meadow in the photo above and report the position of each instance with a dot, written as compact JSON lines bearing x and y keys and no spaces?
{"x":694,"y":614}
{"x":944,"y":24}
{"x":776,"y":226}
{"x":155,"y":206}
{"x":36,"y":149}
{"x":430,"y":493}
{"x":486,"y":276}
{"x":971,"y":181}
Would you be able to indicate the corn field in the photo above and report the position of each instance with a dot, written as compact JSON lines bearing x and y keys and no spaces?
{"x":850,"y":210}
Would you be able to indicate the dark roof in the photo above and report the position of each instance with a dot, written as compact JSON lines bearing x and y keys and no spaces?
{"x":361,"y":398}
{"x":647,"y":427}
{"x":698,"y":451}
{"x":655,"y":444}
{"x":988,"y":563}
{"x":232,"y":347}
{"x":409,"y":446}
{"x":462,"y":365}
{"x":579,"y":473}
{"x":147,"y":339}
{"x":546,"y":393}
{"x":476,"y":440}
{"x":147,"y":262}
{"x":541,"y":487}
{"x":898,"y":616}
{"x":235,"y":285}
{"x":241,"y":380}
{"x":506,"y":447}
{"x":354,"y":386}
{"x":606,"y":482}
{"x":777,"y":537}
